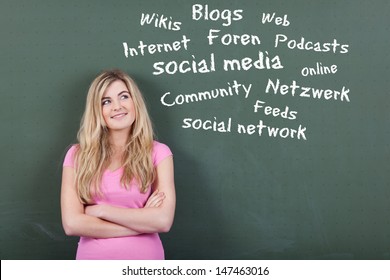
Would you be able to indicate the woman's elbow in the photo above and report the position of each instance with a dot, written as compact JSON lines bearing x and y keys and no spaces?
{"x":69,"y":228}
{"x":68,"y":231}
{"x":166,"y":225}
{"x":165,"y":228}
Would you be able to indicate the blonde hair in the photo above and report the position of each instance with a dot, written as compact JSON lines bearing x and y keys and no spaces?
{"x":93,"y":154}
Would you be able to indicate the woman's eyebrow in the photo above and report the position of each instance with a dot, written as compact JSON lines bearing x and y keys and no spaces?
{"x":122,"y":92}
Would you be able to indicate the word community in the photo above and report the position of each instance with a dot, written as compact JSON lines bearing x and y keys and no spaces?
{"x":225,"y":126}
{"x":233,"y":89}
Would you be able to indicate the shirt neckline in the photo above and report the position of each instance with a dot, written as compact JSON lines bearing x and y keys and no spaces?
{"x":114,"y":172}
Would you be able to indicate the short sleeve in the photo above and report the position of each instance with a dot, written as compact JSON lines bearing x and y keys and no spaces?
{"x":160,"y":152}
{"x":69,"y":157}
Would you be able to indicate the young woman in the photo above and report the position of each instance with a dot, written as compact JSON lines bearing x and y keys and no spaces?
{"x":117,"y":189}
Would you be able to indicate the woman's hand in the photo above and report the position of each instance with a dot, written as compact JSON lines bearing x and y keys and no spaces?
{"x":155,"y":200}
{"x":94,"y":210}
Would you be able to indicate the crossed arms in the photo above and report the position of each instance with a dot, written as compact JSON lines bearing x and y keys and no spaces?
{"x":107,"y":221}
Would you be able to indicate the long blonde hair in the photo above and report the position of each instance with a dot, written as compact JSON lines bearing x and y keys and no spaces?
{"x":93,"y":154}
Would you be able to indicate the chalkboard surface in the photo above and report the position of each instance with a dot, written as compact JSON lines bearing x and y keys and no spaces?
{"x":277,"y":113}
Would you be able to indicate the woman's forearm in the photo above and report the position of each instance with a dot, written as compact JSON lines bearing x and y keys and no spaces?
{"x":146,"y":220}
{"x":88,"y":226}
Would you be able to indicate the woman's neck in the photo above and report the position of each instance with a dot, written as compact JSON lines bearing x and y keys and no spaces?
{"x":118,"y":140}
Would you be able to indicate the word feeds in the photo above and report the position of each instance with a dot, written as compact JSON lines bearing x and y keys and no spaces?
{"x":274,"y":111}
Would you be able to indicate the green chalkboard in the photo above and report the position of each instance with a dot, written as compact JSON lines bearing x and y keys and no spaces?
{"x":277,"y":113}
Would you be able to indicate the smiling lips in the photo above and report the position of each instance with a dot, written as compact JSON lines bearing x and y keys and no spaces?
{"x":118,"y":116}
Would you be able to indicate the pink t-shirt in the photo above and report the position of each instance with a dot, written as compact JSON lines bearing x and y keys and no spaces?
{"x":140,"y":247}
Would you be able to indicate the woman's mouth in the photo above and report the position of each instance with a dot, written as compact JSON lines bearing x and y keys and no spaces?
{"x":118,"y":116}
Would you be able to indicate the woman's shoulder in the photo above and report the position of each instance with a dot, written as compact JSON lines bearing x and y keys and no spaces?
{"x":70,"y":154}
{"x":160,"y":152}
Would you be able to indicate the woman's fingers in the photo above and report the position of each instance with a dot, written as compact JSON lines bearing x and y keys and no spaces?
{"x":156,"y":199}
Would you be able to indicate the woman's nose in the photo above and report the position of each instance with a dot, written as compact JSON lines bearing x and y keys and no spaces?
{"x":116,"y":106}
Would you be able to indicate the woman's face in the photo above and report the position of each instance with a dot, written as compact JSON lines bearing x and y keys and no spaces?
{"x":118,"y":107}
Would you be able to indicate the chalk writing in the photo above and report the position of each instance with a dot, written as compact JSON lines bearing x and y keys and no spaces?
{"x":269,"y":18}
{"x":303,"y":91}
{"x":271,"y":131}
{"x":227,"y":16}
{"x":214,"y":125}
{"x":160,"y":21}
{"x":229,"y":39}
{"x":319,"y":69}
{"x":159,"y":47}
{"x":194,"y":65}
{"x":190,"y":62}
{"x":306,"y":45}
{"x":234,"y":88}
{"x":286,"y":113}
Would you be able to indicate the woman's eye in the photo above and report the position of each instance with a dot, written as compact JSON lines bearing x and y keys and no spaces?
{"x":124,"y":96}
{"x":105,"y":102}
